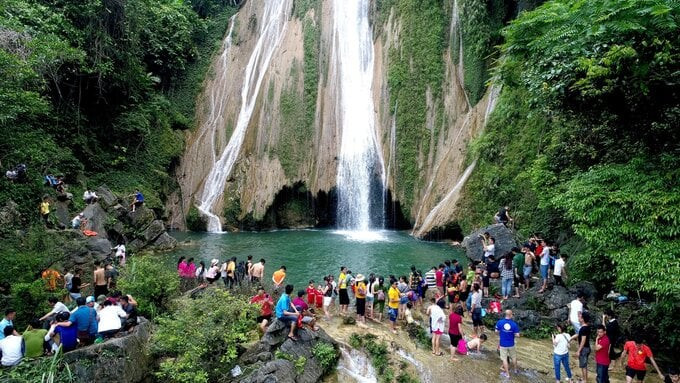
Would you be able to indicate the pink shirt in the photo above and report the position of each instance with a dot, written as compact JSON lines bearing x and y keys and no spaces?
{"x":182,"y":269}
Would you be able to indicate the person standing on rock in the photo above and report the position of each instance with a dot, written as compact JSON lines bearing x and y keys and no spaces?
{"x":249,"y":264}
{"x":455,"y":329}
{"x":518,"y":269}
{"x":438,"y":323}
{"x":507,"y":276}
{"x":286,"y":312}
{"x":503,"y":216}
{"x":393,"y":305}
{"x":45,"y":210}
{"x":508,"y":330}
{"x":489,"y":245}
{"x":342,"y":290}
{"x":528,"y":266}
{"x":613,"y":333}
{"x":361,"y":299}
{"x":576,"y":310}
{"x":583,"y":338}
{"x":476,"y":309}
{"x":99,"y":279}
{"x":256,"y":271}
{"x":120,"y":253}
{"x":560,"y":270}
{"x":544,"y":265}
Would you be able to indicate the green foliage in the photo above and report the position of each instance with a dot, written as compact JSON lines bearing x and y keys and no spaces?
{"x":326,"y":354}
{"x":418,"y":334}
{"x":151,"y":283}
{"x":540,"y":332}
{"x":198,"y":342}
{"x":195,"y":221}
{"x":416,"y":68}
{"x":380,"y":357}
{"x":30,"y":300}
{"x":631,"y":214}
{"x":44,"y":370}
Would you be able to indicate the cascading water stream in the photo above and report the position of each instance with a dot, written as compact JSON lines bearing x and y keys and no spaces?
{"x":272,"y":28}
{"x":355,"y":365}
{"x":361,"y":170}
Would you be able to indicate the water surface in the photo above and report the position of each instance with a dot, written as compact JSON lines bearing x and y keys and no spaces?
{"x":311,"y":254}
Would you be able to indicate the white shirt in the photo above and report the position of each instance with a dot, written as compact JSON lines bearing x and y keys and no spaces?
{"x":11,"y":348}
{"x":120,"y":250}
{"x":575,"y":307}
{"x":545,"y":256}
{"x":109,"y":318}
{"x":59,"y":308}
{"x":559,"y":265}
{"x":477,"y":299}
{"x":489,"y":250}
{"x":438,"y":318}
{"x":562,"y":345}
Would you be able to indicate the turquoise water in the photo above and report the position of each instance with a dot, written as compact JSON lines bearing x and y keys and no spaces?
{"x":311,"y":254}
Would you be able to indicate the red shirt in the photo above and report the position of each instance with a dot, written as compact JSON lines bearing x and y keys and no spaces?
{"x":602,"y":355}
{"x":318,"y":299}
{"x":439,"y":277}
{"x":637,"y":356}
{"x":311,"y":291}
{"x":454,"y":320}
{"x":266,"y":302}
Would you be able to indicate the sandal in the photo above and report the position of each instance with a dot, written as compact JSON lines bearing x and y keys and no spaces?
{"x":293,"y":338}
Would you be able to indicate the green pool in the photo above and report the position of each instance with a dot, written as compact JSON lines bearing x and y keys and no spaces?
{"x":311,"y":254}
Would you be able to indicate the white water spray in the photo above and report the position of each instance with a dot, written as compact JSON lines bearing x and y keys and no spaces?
{"x":355,"y":365}
{"x":361,"y":171}
{"x":272,"y":26}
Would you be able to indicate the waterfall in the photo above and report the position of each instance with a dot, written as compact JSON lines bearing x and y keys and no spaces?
{"x":355,"y":365}
{"x":361,"y":173}
{"x":272,"y":26}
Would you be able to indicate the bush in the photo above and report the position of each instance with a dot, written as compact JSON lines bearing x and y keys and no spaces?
{"x":326,"y":355}
{"x":151,"y":282}
{"x":45,"y":370}
{"x":198,"y":342}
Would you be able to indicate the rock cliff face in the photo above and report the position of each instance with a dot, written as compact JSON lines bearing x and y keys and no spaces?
{"x":292,"y":136}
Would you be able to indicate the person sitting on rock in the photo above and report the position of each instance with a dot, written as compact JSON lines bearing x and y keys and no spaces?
{"x":138,"y":199}
{"x":78,"y":221}
{"x":129,"y":305}
{"x":60,"y":186}
{"x":68,"y":334}
{"x":12,"y":347}
{"x":57,"y":307}
{"x":109,"y":318}
{"x":287,"y":313}
{"x":89,"y":196}
{"x":503,"y":216}
{"x":304,"y":310}
{"x":266,"y":303}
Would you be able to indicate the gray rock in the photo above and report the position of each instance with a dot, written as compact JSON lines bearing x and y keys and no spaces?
{"x":106,"y":197}
{"x":155,"y":229}
{"x":560,"y":315}
{"x":135,"y":245}
{"x":275,"y":371}
{"x":505,"y":240}
{"x":96,"y":219}
{"x":556,"y":298}
{"x":9,"y":214}
{"x":62,"y":213}
{"x":99,"y":248}
{"x":141,"y":217}
{"x":526,"y":318}
{"x":124,"y":359}
{"x":119,"y":211}
{"x":165,"y":242}
{"x":587,"y":287}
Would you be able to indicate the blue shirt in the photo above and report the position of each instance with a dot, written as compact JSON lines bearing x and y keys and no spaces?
{"x":85,"y":319}
{"x":507,"y":328}
{"x":4,"y":323}
{"x":68,"y":337}
{"x":282,"y":305}
{"x":139,"y":197}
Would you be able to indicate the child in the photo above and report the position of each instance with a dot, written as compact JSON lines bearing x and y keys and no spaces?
{"x":407,"y":313}
{"x":475,"y":344}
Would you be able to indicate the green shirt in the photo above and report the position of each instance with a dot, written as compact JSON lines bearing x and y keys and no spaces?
{"x":518,"y":261}
{"x":34,"y":342}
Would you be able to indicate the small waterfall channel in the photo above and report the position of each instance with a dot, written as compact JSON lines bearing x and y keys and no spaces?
{"x":355,"y":366}
{"x":272,"y":28}
{"x":361,"y":169}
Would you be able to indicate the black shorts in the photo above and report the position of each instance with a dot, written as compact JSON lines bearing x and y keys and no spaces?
{"x":344,"y":297}
{"x":361,"y":306}
{"x":263,"y":317}
{"x":455,"y":339}
{"x":100,"y":290}
{"x":485,"y":281}
{"x":518,"y":280}
{"x":477,"y":317}
{"x":640,"y":374}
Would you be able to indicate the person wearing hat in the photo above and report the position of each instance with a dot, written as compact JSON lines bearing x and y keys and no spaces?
{"x":360,"y":298}
{"x":85,"y":320}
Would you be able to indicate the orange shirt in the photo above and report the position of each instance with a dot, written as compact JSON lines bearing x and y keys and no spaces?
{"x":636,"y":357}
{"x":279,"y":276}
{"x":51,"y":277}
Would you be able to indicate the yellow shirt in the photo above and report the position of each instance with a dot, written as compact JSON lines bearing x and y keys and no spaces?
{"x":44,"y":208}
{"x":343,"y":281}
{"x":393,"y":298}
{"x":231,"y":266}
{"x":361,"y":285}
{"x":279,"y":276}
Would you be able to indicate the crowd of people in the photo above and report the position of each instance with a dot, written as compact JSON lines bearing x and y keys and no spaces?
{"x":443,"y":296}
{"x":92,"y":320}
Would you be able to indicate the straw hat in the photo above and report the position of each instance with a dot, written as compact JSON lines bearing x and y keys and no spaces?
{"x":359,"y":278}
{"x":214,"y":262}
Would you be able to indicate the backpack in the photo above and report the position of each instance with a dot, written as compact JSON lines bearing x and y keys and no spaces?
{"x":381,"y":295}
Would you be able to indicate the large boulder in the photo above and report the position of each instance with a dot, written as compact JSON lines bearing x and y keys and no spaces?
{"x":106,"y":197}
{"x":165,"y":242}
{"x":9,"y":215}
{"x":141,"y":217}
{"x":155,"y":229}
{"x":259,"y":358}
{"x":586,"y":287}
{"x":557,"y":298}
{"x":62,"y":213}
{"x":505,"y":240}
{"x":118,"y":360}
{"x":99,"y":248}
{"x":96,"y":219}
